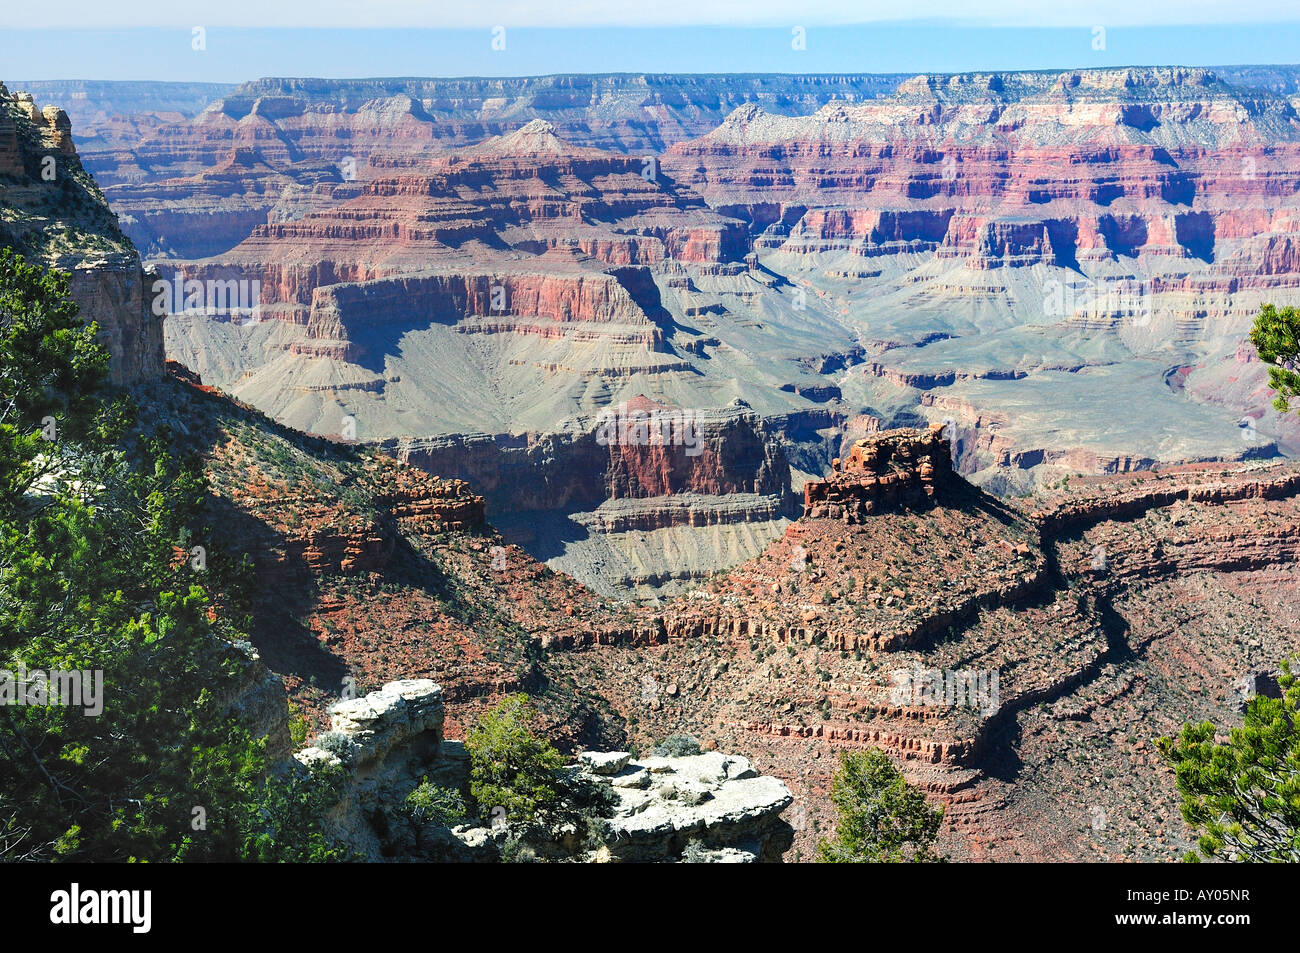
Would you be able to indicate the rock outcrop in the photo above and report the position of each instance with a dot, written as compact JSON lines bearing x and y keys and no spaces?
{"x":402,"y":720}
{"x":713,"y":803}
{"x":256,"y":699}
{"x":708,"y":807}
{"x":526,"y":192}
{"x":719,"y":493}
{"x":55,"y":215}
{"x":296,"y":536}
{"x":377,"y":749}
{"x":890,"y":468}
{"x":704,"y":808}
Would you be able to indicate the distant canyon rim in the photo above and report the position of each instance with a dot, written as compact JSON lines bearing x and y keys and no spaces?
{"x":1060,"y":267}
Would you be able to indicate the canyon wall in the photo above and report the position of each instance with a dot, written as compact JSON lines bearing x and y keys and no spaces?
{"x":56,"y":216}
{"x":737,"y":455}
{"x":1010,"y":254}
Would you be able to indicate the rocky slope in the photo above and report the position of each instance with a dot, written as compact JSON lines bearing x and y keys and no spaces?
{"x":1018,"y":662}
{"x":367,"y":570}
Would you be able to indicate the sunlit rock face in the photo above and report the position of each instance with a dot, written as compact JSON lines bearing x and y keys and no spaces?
{"x":55,"y":215}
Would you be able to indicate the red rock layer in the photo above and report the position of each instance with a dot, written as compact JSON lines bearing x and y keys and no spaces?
{"x":1006,"y":171}
{"x":891,"y":468}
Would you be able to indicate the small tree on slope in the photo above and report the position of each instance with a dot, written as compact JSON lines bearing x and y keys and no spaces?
{"x":882,"y":818}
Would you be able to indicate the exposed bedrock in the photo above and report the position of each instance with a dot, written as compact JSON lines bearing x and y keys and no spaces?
{"x":55,"y":215}
{"x":386,"y":742}
{"x":704,"y":808}
{"x":627,"y":517}
{"x":885,"y":469}
{"x":731,"y":452}
{"x":118,"y":297}
{"x":450,"y":298}
{"x":954,"y":584}
{"x":296,"y":538}
{"x":1010,"y":170}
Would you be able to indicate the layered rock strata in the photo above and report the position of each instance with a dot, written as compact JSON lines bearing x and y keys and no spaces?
{"x":885,"y":469}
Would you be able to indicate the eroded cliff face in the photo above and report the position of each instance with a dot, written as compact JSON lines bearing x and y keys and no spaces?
{"x":1077,"y":233}
{"x":55,"y":215}
{"x":980,"y":249}
{"x":521,"y":288}
{"x":1011,"y":244}
{"x":118,"y":296}
{"x":459,"y":293}
{"x":191,"y":181}
{"x":1011,"y":255}
{"x":628,"y":516}
{"x":1071,"y":169}
{"x":528,"y":190}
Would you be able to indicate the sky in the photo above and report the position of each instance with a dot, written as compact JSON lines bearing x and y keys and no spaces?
{"x":237,"y":40}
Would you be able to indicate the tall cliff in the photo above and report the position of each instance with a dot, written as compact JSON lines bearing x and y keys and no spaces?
{"x":52,"y":212}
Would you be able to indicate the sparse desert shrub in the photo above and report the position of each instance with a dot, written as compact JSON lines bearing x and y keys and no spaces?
{"x":337,"y":744}
{"x":299,"y":726}
{"x":694,"y":853}
{"x":513,"y":770}
{"x":433,"y":804}
{"x":677,"y":746}
{"x":510,"y":767}
{"x":517,"y":851}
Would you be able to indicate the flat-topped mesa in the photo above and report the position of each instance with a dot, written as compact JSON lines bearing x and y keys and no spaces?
{"x":892,"y":468}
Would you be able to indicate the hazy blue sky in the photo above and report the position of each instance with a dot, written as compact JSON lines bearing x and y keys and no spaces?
{"x":243,"y":39}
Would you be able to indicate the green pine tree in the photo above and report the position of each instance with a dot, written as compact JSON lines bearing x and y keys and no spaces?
{"x":1242,"y":796}
{"x":1276,"y":336}
{"x":96,"y":521}
{"x":881,"y":818}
